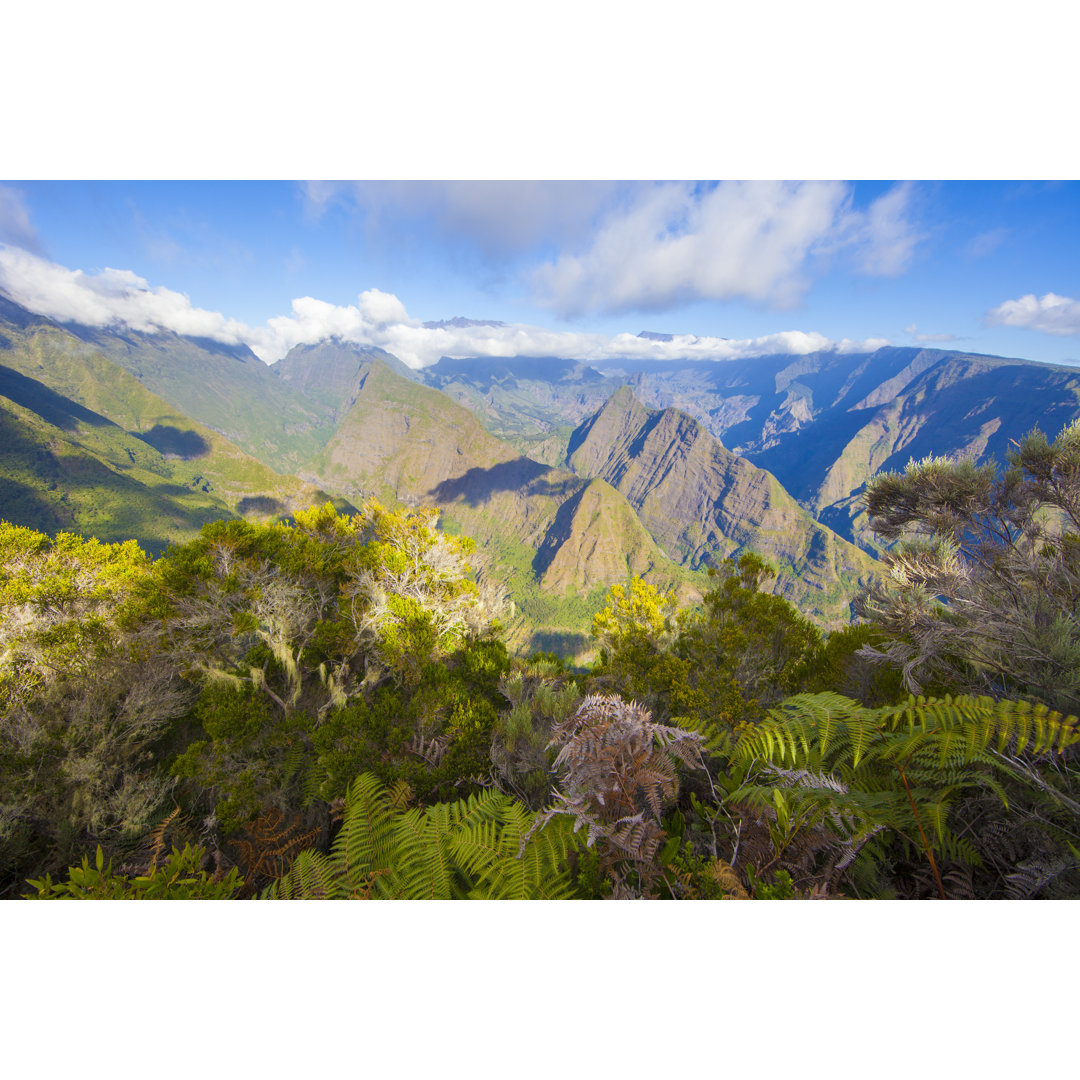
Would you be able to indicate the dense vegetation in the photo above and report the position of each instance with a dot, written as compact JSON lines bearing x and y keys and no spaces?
{"x":326,"y":707}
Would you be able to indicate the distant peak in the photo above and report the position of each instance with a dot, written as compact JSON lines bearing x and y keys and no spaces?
{"x":459,"y":322}
{"x":652,"y":335}
{"x":625,"y":401}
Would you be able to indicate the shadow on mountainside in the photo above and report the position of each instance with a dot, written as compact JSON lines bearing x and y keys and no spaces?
{"x":557,"y":535}
{"x":175,"y":442}
{"x":261,"y":505}
{"x":564,"y":643}
{"x":522,"y":475}
{"x":21,"y":504}
{"x":52,"y":407}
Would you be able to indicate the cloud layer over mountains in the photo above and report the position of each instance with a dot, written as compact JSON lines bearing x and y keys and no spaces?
{"x":122,"y":298}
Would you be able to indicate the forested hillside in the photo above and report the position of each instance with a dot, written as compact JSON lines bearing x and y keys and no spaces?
{"x":326,"y":707}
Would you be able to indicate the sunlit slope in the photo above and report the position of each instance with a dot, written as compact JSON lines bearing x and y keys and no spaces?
{"x":226,"y":388}
{"x":84,"y":479}
{"x":701,"y":503}
{"x":88,"y":447}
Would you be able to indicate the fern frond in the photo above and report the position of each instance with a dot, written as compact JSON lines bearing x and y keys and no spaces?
{"x":482,"y":847}
{"x":157,"y":837}
{"x":423,"y":864}
{"x":715,"y":740}
{"x":983,"y":720}
{"x":400,"y":794}
{"x":507,"y":866}
{"x":311,"y":877}
{"x":1029,"y":878}
{"x":364,"y":843}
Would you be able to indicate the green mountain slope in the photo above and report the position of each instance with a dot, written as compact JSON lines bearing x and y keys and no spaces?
{"x":93,"y":480}
{"x":226,"y":388}
{"x":701,"y":503}
{"x":400,"y":440}
{"x":596,"y":539}
{"x":86,"y":446}
{"x":330,"y":373}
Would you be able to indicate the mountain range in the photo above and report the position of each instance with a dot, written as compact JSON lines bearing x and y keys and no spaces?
{"x":569,"y":478}
{"x":821,"y":423}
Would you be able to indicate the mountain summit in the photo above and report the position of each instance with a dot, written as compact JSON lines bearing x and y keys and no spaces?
{"x":702,"y":503}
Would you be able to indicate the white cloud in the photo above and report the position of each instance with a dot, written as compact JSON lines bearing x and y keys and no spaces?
{"x":885,"y":234}
{"x":382,"y":309}
{"x":15,"y":226}
{"x":419,"y":346}
{"x":499,"y":217}
{"x":122,"y":298}
{"x":754,"y":240}
{"x":110,"y":297}
{"x":1052,"y":314}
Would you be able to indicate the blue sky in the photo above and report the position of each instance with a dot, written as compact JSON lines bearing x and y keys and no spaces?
{"x":980,"y":266}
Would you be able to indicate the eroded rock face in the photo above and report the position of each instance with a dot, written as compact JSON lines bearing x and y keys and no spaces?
{"x":701,"y":503}
{"x":821,"y":423}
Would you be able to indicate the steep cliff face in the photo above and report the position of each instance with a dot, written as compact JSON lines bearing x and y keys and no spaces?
{"x":944,"y":404}
{"x":701,"y":503}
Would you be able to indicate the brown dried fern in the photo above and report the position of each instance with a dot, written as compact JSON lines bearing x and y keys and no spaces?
{"x":267,"y":848}
{"x":157,"y":837}
{"x":618,"y":772}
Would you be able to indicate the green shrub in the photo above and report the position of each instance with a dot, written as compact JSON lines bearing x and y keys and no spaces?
{"x":180,"y":878}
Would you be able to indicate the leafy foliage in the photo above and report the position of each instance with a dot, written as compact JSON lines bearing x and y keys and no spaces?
{"x":712,"y":668}
{"x":748,"y":647}
{"x":984,"y":585}
{"x":305,"y":637}
{"x":84,"y":701}
{"x":485,"y":847}
{"x":824,"y":762}
{"x":180,"y":878}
